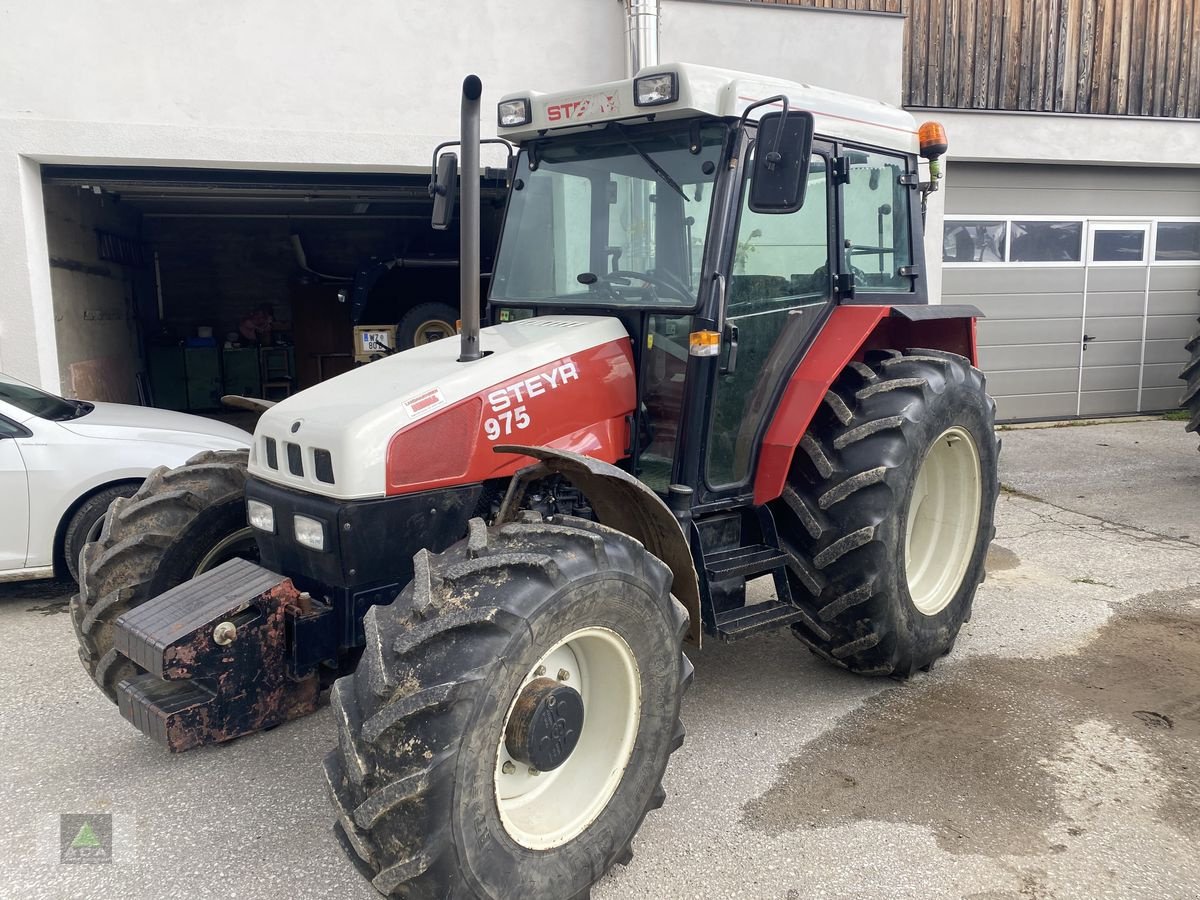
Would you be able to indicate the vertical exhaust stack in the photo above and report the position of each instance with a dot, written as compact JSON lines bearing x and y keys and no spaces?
{"x":468,"y":267}
{"x":641,"y":35}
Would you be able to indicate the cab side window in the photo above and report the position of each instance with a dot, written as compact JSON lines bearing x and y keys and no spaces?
{"x":878,"y":239}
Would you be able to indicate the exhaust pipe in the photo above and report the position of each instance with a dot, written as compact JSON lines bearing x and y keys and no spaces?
{"x":468,"y":267}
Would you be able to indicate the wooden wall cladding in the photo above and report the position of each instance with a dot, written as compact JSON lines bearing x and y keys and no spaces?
{"x":1112,"y":57}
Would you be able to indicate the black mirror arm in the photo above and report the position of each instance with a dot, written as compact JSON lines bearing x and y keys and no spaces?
{"x":773,"y":156}
{"x":434,"y":188}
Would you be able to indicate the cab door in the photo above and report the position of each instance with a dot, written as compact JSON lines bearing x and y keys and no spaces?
{"x":14,"y":498}
{"x":779,"y":288}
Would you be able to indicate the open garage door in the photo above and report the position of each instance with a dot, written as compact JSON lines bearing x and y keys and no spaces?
{"x":174,"y":286}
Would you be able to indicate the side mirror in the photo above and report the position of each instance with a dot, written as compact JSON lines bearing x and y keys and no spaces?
{"x":444,"y":189}
{"x":781,"y":156}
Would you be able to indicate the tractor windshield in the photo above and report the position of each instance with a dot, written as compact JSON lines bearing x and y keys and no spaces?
{"x":617,"y":216}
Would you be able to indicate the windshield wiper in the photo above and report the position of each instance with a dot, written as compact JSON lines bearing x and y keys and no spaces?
{"x":658,"y":170}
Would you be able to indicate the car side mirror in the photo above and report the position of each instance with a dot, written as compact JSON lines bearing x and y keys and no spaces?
{"x":444,"y":191}
{"x":781,"y":156}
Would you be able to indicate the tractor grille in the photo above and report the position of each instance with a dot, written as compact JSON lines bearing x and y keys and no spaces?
{"x":320,"y":463}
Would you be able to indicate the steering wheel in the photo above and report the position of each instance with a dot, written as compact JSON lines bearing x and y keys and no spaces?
{"x":648,"y":278}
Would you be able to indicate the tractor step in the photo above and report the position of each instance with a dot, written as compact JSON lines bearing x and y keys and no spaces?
{"x":747,"y":620}
{"x":216,"y":656}
{"x":744,"y":562}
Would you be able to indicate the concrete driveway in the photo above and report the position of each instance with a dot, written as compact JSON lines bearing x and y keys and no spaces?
{"x":1055,"y":754}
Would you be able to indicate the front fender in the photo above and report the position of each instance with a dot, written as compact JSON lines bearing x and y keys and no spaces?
{"x":624,"y":503}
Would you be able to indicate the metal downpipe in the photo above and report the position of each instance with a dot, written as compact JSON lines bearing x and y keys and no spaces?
{"x":641,"y":35}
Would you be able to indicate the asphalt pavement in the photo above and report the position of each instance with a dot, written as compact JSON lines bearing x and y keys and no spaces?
{"x":1054,"y":754}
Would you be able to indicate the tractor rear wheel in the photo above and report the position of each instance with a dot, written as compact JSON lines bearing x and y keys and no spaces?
{"x":510,"y":720}
{"x":1191,"y":375}
{"x":181,"y":522}
{"x":887,"y":514}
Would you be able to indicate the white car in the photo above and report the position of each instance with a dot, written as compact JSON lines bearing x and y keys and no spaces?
{"x":62,"y":462}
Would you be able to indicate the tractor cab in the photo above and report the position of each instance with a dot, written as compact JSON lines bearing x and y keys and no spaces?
{"x":655,"y":201}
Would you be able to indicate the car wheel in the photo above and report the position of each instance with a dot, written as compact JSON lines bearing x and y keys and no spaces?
{"x":86,"y":522}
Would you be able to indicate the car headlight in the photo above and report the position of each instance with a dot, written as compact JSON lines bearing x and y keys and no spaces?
{"x":309,"y":532}
{"x":260,"y":516}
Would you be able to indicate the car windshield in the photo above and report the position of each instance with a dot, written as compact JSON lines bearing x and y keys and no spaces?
{"x":611,"y":217}
{"x":27,"y":398}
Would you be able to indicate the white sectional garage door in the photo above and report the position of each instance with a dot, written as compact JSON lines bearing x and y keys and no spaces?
{"x":1088,"y":277}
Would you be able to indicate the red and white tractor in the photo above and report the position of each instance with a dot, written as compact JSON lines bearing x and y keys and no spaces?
{"x":711,"y":358}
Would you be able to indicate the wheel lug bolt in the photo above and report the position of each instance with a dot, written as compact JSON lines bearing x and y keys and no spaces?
{"x":533,"y":771}
{"x":225,"y":633}
{"x":539,"y":671}
{"x":508,"y":768}
{"x":563,"y":675}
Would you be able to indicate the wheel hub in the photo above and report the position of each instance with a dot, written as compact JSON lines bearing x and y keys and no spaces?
{"x":545,"y":724}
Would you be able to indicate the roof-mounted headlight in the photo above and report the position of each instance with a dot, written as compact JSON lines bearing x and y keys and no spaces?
{"x":655,"y":90}
{"x":511,"y":113}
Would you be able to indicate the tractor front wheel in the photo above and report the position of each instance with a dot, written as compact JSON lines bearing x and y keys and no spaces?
{"x":887,"y":514}
{"x":180,"y":523}
{"x":509,"y":723}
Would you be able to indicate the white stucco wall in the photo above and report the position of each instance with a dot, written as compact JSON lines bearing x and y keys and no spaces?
{"x":789,"y":42}
{"x":370,"y":85}
{"x":1074,"y":140}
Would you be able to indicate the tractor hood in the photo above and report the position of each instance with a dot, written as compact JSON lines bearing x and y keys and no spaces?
{"x":419,"y":420}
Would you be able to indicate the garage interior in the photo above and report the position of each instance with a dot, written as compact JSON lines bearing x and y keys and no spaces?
{"x":156,"y":272}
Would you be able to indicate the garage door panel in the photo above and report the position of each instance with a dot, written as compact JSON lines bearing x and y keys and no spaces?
{"x":1107,"y":403}
{"x":1162,"y":398}
{"x":1114,"y":328}
{"x":1175,"y":278}
{"x":1110,"y":378}
{"x":1161,"y":375}
{"x":1116,"y":278}
{"x":1171,"y":328}
{"x":1016,"y":358}
{"x":1113,"y":353}
{"x":1005,"y":384}
{"x":1025,"y":306}
{"x":1011,"y":280}
{"x":1175,"y":303}
{"x":993,"y":332}
{"x":1114,"y":303}
{"x":1036,"y":406}
{"x":1166,"y":351}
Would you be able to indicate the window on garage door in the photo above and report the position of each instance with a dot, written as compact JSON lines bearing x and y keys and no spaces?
{"x":1177,"y":242}
{"x":1119,"y":244}
{"x":1037,"y":241}
{"x":974,"y":241}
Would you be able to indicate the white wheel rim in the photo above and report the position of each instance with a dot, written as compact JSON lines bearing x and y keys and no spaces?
{"x":943,"y":520}
{"x":551,"y":808}
{"x":426,"y":331}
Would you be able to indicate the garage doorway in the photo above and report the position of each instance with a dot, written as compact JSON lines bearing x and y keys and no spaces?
{"x":172,"y":287}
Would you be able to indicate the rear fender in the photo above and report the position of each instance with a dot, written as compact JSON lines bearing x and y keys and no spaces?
{"x":624,"y":503}
{"x":850,"y":332}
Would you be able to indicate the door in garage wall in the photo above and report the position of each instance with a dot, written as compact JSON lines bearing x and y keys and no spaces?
{"x":1116,"y":285}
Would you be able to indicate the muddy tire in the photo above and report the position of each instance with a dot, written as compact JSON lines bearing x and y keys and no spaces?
{"x":431,"y":803}
{"x":181,"y":522}
{"x":887,"y":514}
{"x":424,"y":323}
{"x":1191,"y":376}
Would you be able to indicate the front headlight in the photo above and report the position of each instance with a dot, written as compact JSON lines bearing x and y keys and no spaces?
{"x":511,"y":113}
{"x":260,"y":516}
{"x":653,"y":90}
{"x":309,"y":532}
